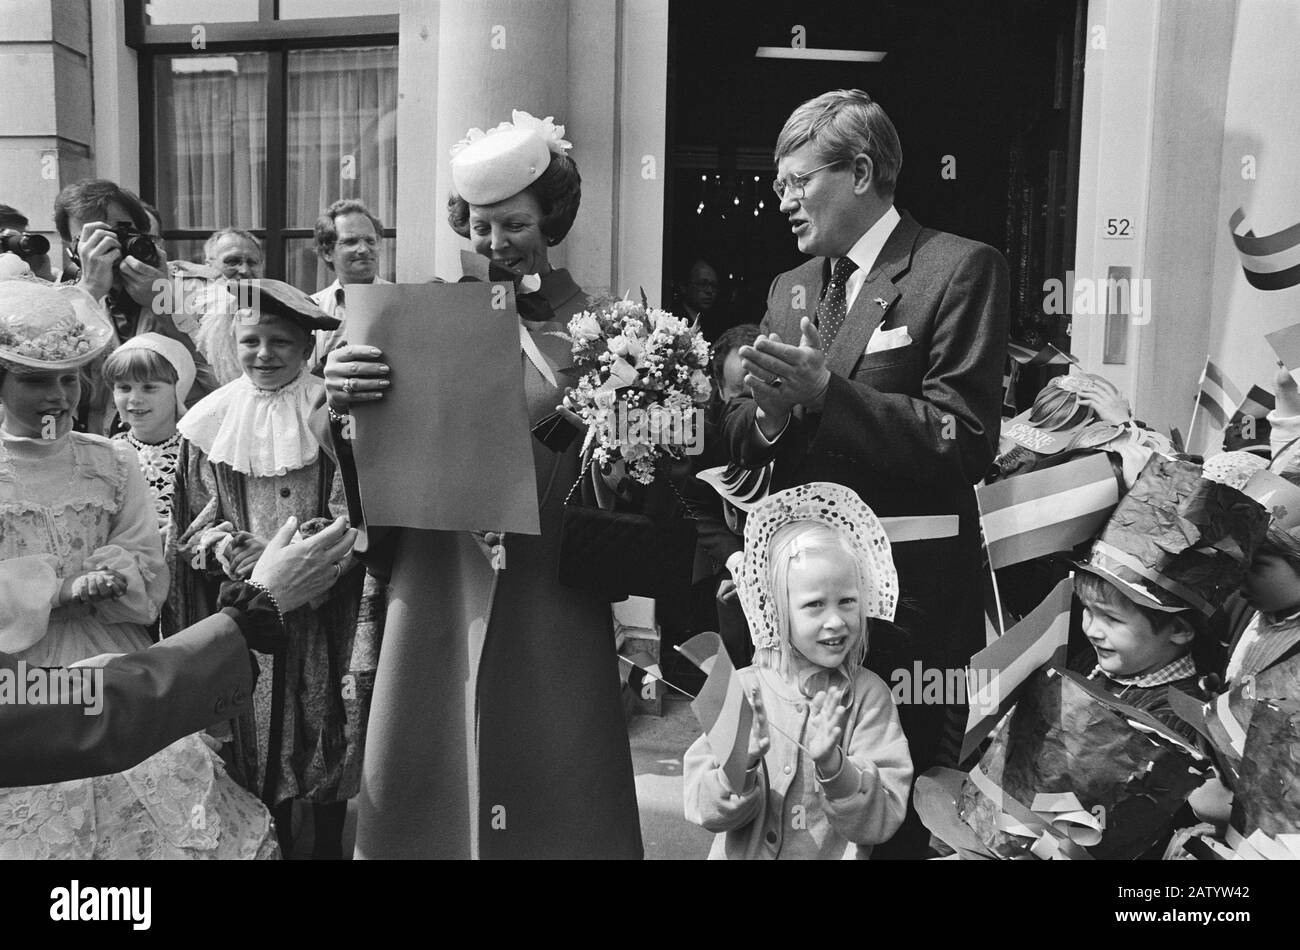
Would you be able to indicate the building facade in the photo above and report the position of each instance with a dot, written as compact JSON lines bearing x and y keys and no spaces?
{"x":257,"y":113}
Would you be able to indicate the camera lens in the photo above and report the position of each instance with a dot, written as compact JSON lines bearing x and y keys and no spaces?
{"x":24,"y":245}
{"x":143,"y":249}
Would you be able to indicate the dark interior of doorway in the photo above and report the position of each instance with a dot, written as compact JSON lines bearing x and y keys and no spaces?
{"x":994,"y":85}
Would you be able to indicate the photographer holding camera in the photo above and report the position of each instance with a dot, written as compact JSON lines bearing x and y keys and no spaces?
{"x":106,"y":230}
{"x":33,"y":249}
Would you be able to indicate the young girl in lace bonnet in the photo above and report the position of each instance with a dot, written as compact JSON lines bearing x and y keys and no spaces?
{"x":816,"y":569}
{"x":797,"y":545}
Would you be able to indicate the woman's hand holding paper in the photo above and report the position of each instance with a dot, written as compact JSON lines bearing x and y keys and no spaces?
{"x":354,"y":374}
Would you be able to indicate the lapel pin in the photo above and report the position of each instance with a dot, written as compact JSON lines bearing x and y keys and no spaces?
{"x":881,"y":302}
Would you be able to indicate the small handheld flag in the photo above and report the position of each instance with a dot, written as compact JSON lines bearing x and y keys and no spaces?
{"x":1259,"y":402}
{"x":996,"y":672}
{"x":722,"y":707}
{"x":1046,"y":511}
{"x":1217,"y":395}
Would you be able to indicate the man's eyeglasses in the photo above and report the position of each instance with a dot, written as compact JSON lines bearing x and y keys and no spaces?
{"x":796,"y":185}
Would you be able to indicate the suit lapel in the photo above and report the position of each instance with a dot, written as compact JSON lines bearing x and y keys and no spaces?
{"x":809,"y":277}
{"x":875,"y":298}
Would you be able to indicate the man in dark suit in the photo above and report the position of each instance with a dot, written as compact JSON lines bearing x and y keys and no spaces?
{"x":199,"y":677}
{"x":881,"y":369}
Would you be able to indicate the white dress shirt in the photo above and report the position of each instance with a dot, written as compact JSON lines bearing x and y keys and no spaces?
{"x":331,"y":301}
{"x":863,"y":253}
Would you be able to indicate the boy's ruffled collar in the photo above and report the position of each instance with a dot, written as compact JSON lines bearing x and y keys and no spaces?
{"x":258,"y":432}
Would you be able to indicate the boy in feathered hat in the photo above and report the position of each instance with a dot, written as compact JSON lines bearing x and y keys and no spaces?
{"x":249,"y":461}
{"x":832,"y":779}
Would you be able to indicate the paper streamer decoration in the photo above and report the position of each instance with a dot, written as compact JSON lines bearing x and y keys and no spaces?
{"x":722,"y":707}
{"x":1268,"y":796}
{"x":1066,"y":735}
{"x":1262,"y":847}
{"x":1047,"y":356}
{"x":742,"y":487}
{"x":1048,"y":510}
{"x":448,"y":447}
{"x":1271,"y":262}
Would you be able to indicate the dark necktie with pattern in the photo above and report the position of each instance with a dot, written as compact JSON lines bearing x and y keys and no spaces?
{"x":834,"y":305}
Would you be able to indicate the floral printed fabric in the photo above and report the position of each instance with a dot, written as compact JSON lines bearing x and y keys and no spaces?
{"x":80,"y":502}
{"x":178,"y":804}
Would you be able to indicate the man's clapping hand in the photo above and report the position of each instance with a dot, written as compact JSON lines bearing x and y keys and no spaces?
{"x":781,"y":376}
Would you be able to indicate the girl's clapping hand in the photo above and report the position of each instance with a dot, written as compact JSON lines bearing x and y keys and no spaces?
{"x":825,"y":726}
{"x":92,"y":586}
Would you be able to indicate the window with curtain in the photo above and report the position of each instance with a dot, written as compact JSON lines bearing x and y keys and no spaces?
{"x":219,"y":161}
{"x":342,"y":143}
{"x":210,"y":133}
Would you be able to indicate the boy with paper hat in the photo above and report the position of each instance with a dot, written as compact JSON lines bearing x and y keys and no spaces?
{"x":1263,"y":671}
{"x":1177,"y":545}
{"x":1174,"y":548}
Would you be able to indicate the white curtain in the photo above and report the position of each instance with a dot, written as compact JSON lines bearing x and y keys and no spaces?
{"x":211,"y":138}
{"x":341,"y":142}
{"x":342,"y":137}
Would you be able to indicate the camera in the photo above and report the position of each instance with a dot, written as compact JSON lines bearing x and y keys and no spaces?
{"x":24,"y":244}
{"x":137,"y":244}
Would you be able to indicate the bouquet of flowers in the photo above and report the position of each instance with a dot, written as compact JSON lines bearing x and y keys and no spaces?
{"x":641,"y":385}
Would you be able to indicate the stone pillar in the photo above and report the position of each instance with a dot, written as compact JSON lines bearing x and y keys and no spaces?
{"x":598,"y":66}
{"x":46,"y":116}
{"x":465,"y":63}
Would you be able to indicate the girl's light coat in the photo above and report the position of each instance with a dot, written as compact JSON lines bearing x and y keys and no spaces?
{"x":863,"y":806}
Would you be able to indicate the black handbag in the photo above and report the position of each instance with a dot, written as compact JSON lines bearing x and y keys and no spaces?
{"x":648,"y":551}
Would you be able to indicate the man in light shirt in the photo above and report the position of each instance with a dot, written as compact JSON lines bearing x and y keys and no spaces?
{"x":347,"y":240}
{"x":880,"y":368}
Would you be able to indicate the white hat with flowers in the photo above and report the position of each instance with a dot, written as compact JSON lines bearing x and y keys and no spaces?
{"x":50,"y":327}
{"x":823,"y":503}
{"x":491,"y":166}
